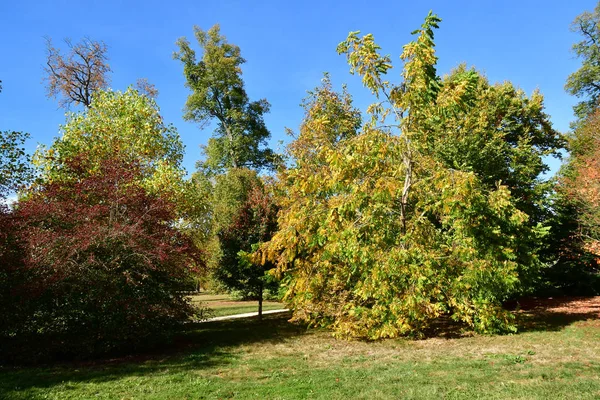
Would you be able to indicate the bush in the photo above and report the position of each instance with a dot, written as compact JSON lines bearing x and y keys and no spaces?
{"x":103,"y":268}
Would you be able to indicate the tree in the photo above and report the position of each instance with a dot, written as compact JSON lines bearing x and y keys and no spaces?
{"x":105,"y":266}
{"x":385,"y":227}
{"x":15,"y":169}
{"x":581,"y":180}
{"x":75,"y":77}
{"x":125,"y":123}
{"x":575,"y":231}
{"x":585,"y":82}
{"x":253,"y":222}
{"x":218,"y":93}
{"x":146,"y":88}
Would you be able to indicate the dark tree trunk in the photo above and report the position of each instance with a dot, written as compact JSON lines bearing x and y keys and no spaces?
{"x":260,"y":301}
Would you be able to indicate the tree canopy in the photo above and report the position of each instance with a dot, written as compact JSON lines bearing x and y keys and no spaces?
{"x":240,"y":139}
{"x":421,"y":212}
{"x":125,"y":123}
{"x":75,"y":77}
{"x":585,"y":82}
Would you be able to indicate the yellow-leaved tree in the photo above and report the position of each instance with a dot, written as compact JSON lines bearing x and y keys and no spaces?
{"x":389,"y":224}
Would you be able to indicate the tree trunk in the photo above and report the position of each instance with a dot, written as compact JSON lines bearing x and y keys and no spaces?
{"x":260,"y":301}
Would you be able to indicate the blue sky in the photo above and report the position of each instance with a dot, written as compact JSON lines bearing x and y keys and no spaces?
{"x":288,"y":46}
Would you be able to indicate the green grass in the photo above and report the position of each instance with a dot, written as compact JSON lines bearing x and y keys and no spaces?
{"x":556,"y":357}
{"x":222,"y":304}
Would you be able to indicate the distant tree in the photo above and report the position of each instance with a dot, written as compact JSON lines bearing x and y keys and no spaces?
{"x":218,"y":93}
{"x":106,"y":268}
{"x":15,"y":164}
{"x":254,"y":222}
{"x":74,"y":78}
{"x":145,"y":87}
{"x":585,"y":82}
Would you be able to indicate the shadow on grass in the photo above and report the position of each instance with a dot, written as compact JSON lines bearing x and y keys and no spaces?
{"x":200,"y":346}
{"x":214,"y":344}
{"x":532,"y":314}
{"x":554,"y":314}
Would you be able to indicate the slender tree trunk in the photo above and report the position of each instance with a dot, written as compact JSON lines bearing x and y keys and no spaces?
{"x":232,"y":154}
{"x":260,"y":301}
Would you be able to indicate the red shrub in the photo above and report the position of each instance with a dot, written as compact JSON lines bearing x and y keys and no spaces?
{"x":105,"y":267}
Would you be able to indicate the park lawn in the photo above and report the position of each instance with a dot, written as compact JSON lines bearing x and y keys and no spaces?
{"x":221,"y":304}
{"x":557,"y":356}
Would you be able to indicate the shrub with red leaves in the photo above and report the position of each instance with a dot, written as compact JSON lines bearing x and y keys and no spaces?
{"x":104,"y":267}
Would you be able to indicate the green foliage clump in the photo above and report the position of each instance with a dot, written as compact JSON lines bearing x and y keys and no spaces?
{"x":218,"y":93}
{"x":585,"y":82}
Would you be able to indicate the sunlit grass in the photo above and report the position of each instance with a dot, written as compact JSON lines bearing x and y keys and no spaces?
{"x":222,"y":304}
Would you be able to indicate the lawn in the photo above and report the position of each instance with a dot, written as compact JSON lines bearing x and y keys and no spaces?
{"x":556,"y":356}
{"x":221,"y":304}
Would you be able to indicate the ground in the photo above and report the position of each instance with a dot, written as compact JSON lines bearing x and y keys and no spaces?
{"x":556,"y":355}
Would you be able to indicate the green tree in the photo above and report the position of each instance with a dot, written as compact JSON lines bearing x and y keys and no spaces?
{"x":384,"y":228}
{"x":75,"y":78}
{"x":253,"y":224}
{"x":15,"y":167}
{"x":125,"y":123}
{"x":243,"y":216}
{"x":218,"y":93}
{"x":585,"y":82}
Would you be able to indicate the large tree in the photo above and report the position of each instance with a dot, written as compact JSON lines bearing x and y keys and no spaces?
{"x":75,"y":77}
{"x":423,"y":211}
{"x":585,"y":82}
{"x":218,"y":93}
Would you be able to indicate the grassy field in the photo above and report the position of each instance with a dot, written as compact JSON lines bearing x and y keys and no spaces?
{"x":222,"y":304}
{"x":557,"y":356}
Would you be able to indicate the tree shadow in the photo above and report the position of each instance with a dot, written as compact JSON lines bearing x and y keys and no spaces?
{"x":214,"y":344}
{"x":554,"y":314}
{"x":199,"y":346}
{"x":532,"y":314}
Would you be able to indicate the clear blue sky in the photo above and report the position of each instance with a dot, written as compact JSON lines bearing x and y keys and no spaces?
{"x":288,"y":45}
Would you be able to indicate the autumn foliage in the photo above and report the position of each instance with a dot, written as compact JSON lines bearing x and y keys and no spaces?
{"x":387,"y":226}
{"x":254,"y":223}
{"x":76,"y":76}
{"x":102,"y":267}
{"x":581,"y":180}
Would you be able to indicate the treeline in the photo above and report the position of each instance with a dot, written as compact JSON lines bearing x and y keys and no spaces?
{"x":431,"y":203}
